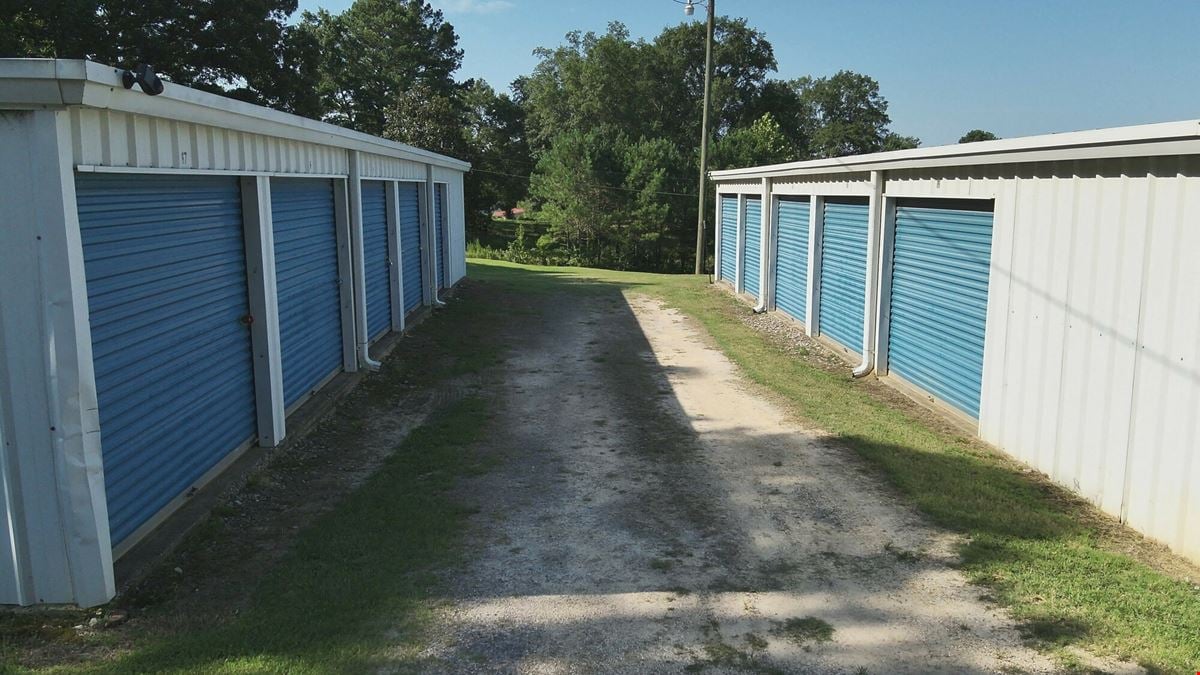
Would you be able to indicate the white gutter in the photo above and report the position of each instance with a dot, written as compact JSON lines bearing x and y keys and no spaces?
{"x":358,"y":256}
{"x":875,"y":226}
{"x":55,"y":83}
{"x":1132,"y":141}
{"x":766,"y":255}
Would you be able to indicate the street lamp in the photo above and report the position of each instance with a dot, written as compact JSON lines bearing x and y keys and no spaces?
{"x":689,"y":7}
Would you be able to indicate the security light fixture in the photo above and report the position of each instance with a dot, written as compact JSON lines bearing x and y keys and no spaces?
{"x":689,"y":8}
{"x":144,"y":76}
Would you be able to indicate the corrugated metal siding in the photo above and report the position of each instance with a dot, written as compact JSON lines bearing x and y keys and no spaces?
{"x":939,"y":301}
{"x":111,"y":138}
{"x":728,"y":241}
{"x":791,"y":257}
{"x":409,"y":209}
{"x":378,"y":268}
{"x":439,"y":217}
{"x":753,"y":252}
{"x":306,"y":272}
{"x":167,"y":291}
{"x":843,"y":272}
{"x":378,"y":166}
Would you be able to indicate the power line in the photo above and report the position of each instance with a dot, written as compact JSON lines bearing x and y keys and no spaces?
{"x":592,"y":184}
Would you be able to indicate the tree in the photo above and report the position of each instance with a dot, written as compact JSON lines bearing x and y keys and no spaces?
{"x":375,"y":51}
{"x":894,"y":141}
{"x":976,"y":135}
{"x":242,"y":48}
{"x":497,"y":148}
{"x":763,"y":142}
{"x":428,"y":119}
{"x":847,"y":113}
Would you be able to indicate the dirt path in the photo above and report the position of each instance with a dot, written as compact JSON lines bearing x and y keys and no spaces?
{"x":655,"y":514}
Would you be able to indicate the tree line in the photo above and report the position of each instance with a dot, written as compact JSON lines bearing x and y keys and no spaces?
{"x":600,"y":140}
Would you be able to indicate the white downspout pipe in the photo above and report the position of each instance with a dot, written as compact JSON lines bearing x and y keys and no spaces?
{"x":359,"y":266}
{"x":766,"y":271}
{"x":874,"y":229}
{"x":435,"y":268}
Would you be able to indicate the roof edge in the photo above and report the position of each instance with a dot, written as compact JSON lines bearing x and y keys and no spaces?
{"x":1003,"y":151}
{"x":49,"y":83}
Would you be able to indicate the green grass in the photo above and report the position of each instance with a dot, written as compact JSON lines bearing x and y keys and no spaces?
{"x":1051,"y":559}
{"x":331,"y":601}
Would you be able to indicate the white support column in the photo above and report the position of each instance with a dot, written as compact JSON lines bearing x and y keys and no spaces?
{"x":739,"y":271}
{"x":346,"y":276}
{"x":718,"y":232}
{"x":816,"y":228}
{"x":883,"y":316}
{"x":766,"y":248}
{"x":425,"y":204}
{"x":51,"y":462}
{"x":429,"y":239}
{"x":395,"y":256}
{"x":871,"y":302}
{"x":264,"y":309}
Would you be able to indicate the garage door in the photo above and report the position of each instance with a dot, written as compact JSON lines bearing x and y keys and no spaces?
{"x":409,"y":211}
{"x":376,"y":261}
{"x":791,"y":257}
{"x":939,"y":299}
{"x":306,"y":273}
{"x":843,"y":271}
{"x":728,"y":241}
{"x":439,"y":216}
{"x":753,"y":255}
{"x":165,"y":263}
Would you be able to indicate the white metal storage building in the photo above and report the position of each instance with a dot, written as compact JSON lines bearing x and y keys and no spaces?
{"x":1040,"y":289}
{"x":178,"y":273}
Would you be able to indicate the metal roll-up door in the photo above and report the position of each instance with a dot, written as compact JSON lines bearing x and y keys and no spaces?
{"x":728,"y":239}
{"x":791,"y":256}
{"x":168,"y":306}
{"x":439,"y":217}
{"x":753,"y":255}
{"x":306,"y":276}
{"x":376,"y":261}
{"x":843,"y":272}
{"x":409,"y":211}
{"x":939,"y":294}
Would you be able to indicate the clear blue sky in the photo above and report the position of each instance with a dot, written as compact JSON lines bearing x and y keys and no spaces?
{"x":1014,"y":67}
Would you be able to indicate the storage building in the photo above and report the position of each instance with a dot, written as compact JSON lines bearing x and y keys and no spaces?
{"x":1040,"y":290}
{"x":179,"y":273}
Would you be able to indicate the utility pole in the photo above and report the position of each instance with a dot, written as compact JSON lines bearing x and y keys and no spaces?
{"x":708,"y":44}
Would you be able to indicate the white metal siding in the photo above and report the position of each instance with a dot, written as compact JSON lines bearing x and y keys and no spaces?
{"x":378,"y":166}
{"x":117,"y":139}
{"x":455,"y":222}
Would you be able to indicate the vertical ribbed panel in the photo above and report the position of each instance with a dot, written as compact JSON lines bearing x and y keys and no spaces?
{"x":378,"y":269}
{"x":409,"y":211}
{"x":844,"y":272}
{"x":791,"y":257}
{"x":439,"y":217}
{"x":753,"y":255}
{"x":939,"y":301}
{"x":306,"y":273}
{"x":728,"y":241}
{"x":166,"y":278}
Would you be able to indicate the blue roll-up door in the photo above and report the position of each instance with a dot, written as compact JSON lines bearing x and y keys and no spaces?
{"x":409,"y":211}
{"x":753,"y":254}
{"x":306,"y":276}
{"x":843,"y":272}
{"x":164,"y":258}
{"x":791,"y":256}
{"x":939,"y":298}
{"x":376,"y":259}
{"x":728,"y":241}
{"x":439,"y":217}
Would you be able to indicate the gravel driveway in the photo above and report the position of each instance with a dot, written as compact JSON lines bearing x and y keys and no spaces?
{"x":653,"y":512}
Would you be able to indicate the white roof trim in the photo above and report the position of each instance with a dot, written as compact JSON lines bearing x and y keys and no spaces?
{"x":1147,"y":140}
{"x":47,"y":83}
